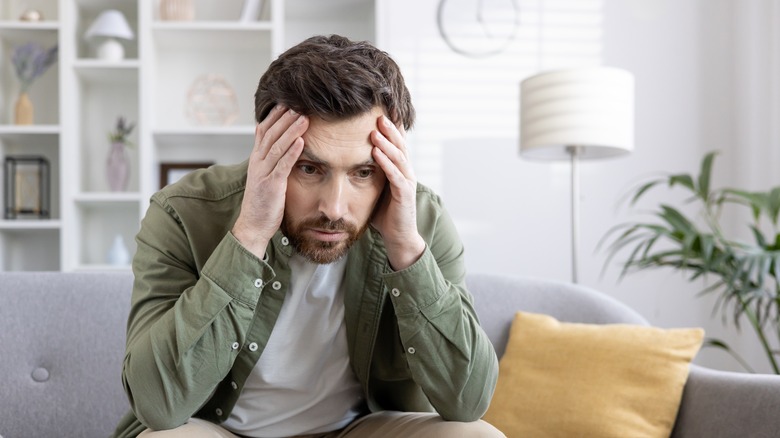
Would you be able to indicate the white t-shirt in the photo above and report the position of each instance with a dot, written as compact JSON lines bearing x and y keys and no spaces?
{"x":303,"y":382}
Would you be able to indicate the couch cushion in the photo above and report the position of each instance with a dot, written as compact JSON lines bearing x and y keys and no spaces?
{"x":571,"y":379}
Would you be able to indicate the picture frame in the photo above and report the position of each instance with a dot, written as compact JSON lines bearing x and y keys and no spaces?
{"x":172,"y":172}
{"x":27,"y":190}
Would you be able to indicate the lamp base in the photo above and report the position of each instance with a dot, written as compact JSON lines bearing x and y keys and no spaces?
{"x":110,"y":50}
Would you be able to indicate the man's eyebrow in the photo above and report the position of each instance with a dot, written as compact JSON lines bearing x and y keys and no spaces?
{"x":309,"y":156}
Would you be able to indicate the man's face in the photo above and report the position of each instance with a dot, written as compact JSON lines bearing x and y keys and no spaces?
{"x":333,"y":188}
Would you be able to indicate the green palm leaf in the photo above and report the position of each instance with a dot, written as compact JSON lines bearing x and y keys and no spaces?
{"x":746,"y":276}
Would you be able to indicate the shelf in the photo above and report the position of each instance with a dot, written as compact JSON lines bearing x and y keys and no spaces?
{"x":198,"y":26}
{"x":15,"y":25}
{"x":20,"y":32}
{"x":102,"y":267}
{"x":6,"y":130}
{"x":42,"y":135}
{"x":219,"y":136}
{"x":107,"y":198}
{"x":95,"y":70}
{"x":23,"y":225}
{"x":219,"y":35}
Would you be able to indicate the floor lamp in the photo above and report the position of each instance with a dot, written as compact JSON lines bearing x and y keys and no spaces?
{"x":577,"y":114}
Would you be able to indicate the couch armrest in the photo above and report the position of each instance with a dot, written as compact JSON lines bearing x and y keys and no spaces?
{"x":727,"y":404}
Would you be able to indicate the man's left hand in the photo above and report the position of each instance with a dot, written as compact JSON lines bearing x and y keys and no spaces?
{"x":396,"y":218}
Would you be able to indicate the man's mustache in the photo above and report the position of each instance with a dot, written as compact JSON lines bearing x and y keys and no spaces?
{"x":325,"y":224}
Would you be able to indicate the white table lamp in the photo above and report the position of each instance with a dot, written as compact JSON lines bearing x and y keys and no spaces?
{"x":576,"y":114}
{"x":106,"y":28}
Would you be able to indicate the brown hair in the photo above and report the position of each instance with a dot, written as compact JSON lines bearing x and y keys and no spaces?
{"x":334,"y":78}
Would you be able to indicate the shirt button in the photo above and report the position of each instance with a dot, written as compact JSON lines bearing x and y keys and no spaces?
{"x":258,"y":283}
{"x":277,"y":285}
{"x":265,"y":257}
{"x":411,"y":350}
{"x":235,"y":345}
{"x":218,"y":411}
{"x":285,"y":241}
{"x":234,"y":385}
{"x":253,"y":346}
{"x":395,"y":292}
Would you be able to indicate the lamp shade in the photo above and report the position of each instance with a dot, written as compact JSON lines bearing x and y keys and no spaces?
{"x":591,"y":108}
{"x":111,"y":24}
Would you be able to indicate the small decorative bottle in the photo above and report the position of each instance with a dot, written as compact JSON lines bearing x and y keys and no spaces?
{"x":118,"y":255}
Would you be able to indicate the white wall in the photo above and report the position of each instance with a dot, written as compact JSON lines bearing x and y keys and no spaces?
{"x":513,"y":214}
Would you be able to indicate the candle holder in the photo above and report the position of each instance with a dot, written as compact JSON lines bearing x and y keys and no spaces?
{"x":27,"y":187}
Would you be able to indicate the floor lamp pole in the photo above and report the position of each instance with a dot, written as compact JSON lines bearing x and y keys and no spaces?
{"x":574,"y":153}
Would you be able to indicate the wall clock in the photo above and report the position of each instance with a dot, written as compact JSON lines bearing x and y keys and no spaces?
{"x":478,"y":28}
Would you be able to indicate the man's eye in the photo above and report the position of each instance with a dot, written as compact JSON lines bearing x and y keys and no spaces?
{"x":365,"y":173}
{"x":308,"y":169}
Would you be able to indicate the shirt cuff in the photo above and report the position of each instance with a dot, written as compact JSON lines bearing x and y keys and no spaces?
{"x":237,"y":271}
{"x":416,"y":287}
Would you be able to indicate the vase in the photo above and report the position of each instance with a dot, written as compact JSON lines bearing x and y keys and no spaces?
{"x":177,"y":10}
{"x":118,"y":167}
{"x":118,"y":255}
{"x":23,"y":111}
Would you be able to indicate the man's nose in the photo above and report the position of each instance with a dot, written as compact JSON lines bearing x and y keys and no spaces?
{"x":333,"y":199}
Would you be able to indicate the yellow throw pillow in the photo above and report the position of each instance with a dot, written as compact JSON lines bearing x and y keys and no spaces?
{"x":587,"y":380}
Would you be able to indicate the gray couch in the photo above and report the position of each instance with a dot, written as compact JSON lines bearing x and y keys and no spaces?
{"x":62,"y":342}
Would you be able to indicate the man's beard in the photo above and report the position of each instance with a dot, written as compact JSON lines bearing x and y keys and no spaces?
{"x":318,"y":251}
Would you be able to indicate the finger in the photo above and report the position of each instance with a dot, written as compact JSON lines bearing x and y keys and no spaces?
{"x":396,"y":134}
{"x":277,"y":131}
{"x":393,"y":174}
{"x":286,"y":139}
{"x":287,"y":161}
{"x":392,"y":152}
{"x":263,"y":127}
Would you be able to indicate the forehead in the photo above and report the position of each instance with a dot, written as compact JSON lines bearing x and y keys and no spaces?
{"x":341,"y":140}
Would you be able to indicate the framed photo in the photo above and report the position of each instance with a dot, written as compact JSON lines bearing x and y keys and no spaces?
{"x":26,"y":194}
{"x":172,"y":172}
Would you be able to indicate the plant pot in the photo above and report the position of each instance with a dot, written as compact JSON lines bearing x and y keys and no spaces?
{"x":23,"y":110}
{"x":117,"y":168}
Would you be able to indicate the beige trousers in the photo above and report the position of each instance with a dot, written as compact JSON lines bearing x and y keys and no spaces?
{"x":386,"y":424}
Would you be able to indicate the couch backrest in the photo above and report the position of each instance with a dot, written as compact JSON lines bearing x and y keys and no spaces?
{"x":62,"y":341}
{"x":498,"y":298}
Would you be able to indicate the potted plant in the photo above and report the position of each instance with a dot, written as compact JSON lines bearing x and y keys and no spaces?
{"x":746,"y":273}
{"x":118,"y":166}
{"x":30,"y":61}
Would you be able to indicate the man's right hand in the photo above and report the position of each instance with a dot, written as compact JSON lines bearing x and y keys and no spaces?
{"x":278,"y":144}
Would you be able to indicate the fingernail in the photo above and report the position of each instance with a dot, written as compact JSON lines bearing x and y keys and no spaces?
{"x":292,"y":112}
{"x":300,"y":120}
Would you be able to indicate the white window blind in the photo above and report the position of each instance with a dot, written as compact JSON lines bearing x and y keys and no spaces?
{"x":458,"y":97}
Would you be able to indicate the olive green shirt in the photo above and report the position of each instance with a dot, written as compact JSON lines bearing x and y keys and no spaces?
{"x":203,"y":308}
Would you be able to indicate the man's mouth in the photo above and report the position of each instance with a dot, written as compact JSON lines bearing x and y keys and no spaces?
{"x":327,"y":235}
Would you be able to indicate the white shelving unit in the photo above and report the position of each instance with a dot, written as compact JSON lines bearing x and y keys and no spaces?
{"x":79,"y":99}
{"x":30,"y":244}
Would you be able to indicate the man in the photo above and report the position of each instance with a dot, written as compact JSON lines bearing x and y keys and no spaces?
{"x":314,"y":290}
